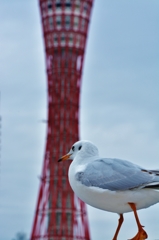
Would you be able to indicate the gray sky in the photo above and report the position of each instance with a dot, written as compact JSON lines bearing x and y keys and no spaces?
{"x":119,"y":104}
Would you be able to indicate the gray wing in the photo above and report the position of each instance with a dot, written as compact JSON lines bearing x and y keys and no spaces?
{"x":116,"y":174}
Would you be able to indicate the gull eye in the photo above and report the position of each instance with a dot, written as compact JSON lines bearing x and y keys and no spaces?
{"x":73,"y":148}
{"x":79,"y":147}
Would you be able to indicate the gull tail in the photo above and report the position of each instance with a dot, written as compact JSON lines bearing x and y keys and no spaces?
{"x":154,"y":186}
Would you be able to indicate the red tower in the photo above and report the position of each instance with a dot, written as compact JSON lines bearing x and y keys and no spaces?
{"x":60,"y":215}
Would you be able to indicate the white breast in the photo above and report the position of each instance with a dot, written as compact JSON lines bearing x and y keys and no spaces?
{"x":112,"y":201}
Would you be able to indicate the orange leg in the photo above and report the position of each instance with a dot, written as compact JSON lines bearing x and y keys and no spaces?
{"x":120,"y":221}
{"x":141,"y":235}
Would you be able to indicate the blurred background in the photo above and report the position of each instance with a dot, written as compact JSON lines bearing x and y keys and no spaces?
{"x":118,"y":109}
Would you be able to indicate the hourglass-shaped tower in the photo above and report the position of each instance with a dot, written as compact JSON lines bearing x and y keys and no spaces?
{"x":60,"y":215}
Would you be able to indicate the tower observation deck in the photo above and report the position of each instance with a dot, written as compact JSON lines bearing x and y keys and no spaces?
{"x":59,"y":214}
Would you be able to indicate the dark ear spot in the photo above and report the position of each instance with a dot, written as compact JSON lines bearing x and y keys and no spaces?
{"x":79,"y":147}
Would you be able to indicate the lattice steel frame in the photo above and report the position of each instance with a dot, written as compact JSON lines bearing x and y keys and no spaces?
{"x":60,"y":215}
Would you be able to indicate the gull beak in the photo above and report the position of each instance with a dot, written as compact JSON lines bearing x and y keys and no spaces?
{"x":65,"y":157}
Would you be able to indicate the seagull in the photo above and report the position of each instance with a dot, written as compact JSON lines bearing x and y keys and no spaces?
{"x":110,"y":184}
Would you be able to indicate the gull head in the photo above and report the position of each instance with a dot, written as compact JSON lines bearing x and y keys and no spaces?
{"x":81,"y":149}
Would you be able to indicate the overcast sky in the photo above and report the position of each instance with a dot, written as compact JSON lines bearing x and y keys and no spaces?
{"x":119,"y":104}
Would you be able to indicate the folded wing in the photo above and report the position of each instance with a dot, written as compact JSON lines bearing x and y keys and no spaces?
{"x":117,"y":175}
